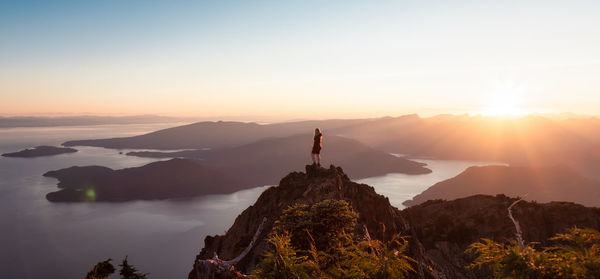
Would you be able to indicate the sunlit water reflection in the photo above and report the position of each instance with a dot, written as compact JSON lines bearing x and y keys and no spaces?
{"x":401,"y":187}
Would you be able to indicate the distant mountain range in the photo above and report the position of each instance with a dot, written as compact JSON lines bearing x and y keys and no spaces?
{"x":86,"y":120}
{"x":208,"y":134}
{"x":526,"y":141}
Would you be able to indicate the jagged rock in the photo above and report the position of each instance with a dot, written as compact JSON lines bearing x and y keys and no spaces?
{"x":438,"y":231}
{"x":316,"y":184}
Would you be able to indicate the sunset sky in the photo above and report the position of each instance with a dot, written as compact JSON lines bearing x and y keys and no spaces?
{"x":298,"y":59}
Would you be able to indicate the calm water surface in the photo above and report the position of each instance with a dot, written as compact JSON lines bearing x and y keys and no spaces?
{"x":39,"y":239}
{"x":401,"y":187}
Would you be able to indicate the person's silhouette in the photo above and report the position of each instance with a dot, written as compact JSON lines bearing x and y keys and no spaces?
{"x":316,"y":150}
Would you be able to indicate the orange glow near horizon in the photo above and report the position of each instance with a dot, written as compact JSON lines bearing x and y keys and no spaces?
{"x":505,"y":101}
{"x":298,"y":60}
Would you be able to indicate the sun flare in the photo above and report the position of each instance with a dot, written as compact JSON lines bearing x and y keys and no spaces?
{"x":504,"y":101}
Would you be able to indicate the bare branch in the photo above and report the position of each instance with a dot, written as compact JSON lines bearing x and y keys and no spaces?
{"x":217,"y":268}
{"x":519,"y":233}
{"x":249,"y":247}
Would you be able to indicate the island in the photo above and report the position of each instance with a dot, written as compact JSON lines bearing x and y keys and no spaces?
{"x":541,"y":184}
{"x":222,"y":171}
{"x":40,"y":151}
{"x":176,"y":178}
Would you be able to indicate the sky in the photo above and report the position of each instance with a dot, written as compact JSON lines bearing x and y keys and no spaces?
{"x":298,"y":59}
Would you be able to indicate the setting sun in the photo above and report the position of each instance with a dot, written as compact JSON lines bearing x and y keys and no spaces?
{"x":505,"y":101}
{"x":271,"y":139}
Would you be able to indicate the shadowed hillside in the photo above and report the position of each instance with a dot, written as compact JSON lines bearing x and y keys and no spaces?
{"x":556,"y":183}
{"x":175,"y":178}
{"x":223,"y":171}
{"x":438,"y":231}
{"x":220,"y":134}
{"x":273,"y":158}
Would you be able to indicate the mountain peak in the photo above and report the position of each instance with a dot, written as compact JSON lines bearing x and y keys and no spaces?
{"x":314,"y":185}
{"x":439,"y":231}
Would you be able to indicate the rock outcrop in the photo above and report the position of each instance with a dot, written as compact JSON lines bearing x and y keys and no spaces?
{"x":316,"y":184}
{"x":438,"y":231}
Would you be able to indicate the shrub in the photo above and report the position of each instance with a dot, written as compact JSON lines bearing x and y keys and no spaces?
{"x":576,"y":255}
{"x":317,"y":242}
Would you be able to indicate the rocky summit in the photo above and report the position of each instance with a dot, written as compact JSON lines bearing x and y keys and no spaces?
{"x":316,"y":184}
{"x":438,"y":231}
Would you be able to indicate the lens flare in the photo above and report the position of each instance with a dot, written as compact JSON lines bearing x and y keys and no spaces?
{"x":90,"y":194}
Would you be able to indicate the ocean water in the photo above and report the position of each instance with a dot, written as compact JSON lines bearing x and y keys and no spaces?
{"x":401,"y":187}
{"x":39,"y":239}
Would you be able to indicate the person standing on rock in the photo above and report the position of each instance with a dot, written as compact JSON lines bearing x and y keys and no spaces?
{"x":316,"y":150}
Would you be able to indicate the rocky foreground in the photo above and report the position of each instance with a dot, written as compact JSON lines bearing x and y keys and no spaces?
{"x":438,"y":231}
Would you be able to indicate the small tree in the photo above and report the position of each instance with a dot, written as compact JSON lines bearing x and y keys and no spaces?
{"x":283,"y":261}
{"x":104,"y":269}
{"x":317,"y":242}
{"x":130,"y":272}
{"x":327,"y":221}
{"x":101,"y":270}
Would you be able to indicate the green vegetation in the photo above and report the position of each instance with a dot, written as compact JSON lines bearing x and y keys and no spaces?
{"x":104,"y":269}
{"x":575,"y":255}
{"x":317,"y":242}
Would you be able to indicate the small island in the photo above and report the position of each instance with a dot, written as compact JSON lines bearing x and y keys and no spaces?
{"x":39,"y":151}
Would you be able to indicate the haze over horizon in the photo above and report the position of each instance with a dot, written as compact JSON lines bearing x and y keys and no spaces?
{"x":290,"y":60}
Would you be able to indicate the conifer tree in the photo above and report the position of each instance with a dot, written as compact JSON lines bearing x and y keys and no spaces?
{"x":129,"y":272}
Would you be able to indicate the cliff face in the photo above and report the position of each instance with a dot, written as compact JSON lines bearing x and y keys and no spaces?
{"x":439,"y":231}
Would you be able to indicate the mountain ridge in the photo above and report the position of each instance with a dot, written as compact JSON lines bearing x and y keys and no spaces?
{"x":527,"y":141}
{"x":439,"y":231}
{"x":255,"y":164}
